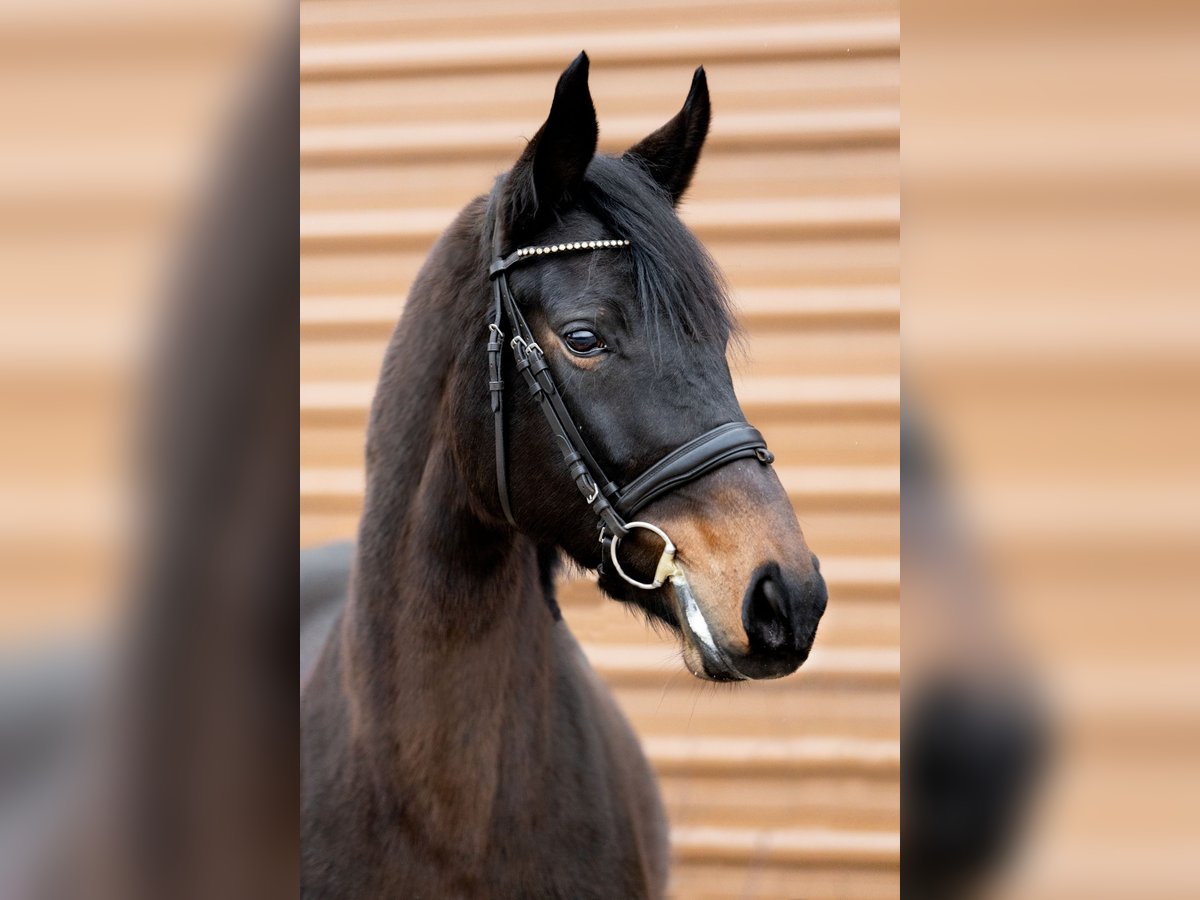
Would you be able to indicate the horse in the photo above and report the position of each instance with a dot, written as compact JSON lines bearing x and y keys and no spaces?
{"x":455,"y":741}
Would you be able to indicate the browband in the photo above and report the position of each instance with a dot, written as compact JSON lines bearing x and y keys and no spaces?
{"x":613,"y":506}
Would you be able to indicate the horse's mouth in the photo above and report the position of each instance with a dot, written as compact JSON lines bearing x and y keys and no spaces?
{"x":702,"y":654}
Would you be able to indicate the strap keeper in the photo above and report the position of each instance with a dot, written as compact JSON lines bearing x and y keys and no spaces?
{"x":612,"y":522}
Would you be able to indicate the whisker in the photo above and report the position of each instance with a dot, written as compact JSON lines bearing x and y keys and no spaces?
{"x":663,"y":694}
{"x":696,"y":692}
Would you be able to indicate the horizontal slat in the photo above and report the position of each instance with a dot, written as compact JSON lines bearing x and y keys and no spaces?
{"x":355,"y":18}
{"x":503,"y":140}
{"x":837,"y":797}
{"x":758,"y":755}
{"x":801,"y":705}
{"x":698,"y":879}
{"x":820,"y":395}
{"x":793,"y":846}
{"x":325,"y":316}
{"x":759,"y":41}
{"x":846,"y":306}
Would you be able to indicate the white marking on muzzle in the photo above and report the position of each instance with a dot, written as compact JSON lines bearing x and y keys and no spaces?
{"x":697,"y":623}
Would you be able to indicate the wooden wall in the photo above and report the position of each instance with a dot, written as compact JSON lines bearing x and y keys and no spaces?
{"x":785,"y":789}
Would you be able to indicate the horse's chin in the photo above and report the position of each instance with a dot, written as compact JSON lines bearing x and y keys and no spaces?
{"x":707,"y":667}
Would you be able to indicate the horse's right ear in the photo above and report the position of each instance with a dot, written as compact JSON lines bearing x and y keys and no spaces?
{"x":551,"y":169}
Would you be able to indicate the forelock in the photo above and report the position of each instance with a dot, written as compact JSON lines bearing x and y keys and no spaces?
{"x":679,"y":287}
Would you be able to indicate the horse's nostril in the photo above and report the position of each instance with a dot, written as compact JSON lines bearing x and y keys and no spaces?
{"x":770,"y":591}
{"x":780,"y":612}
{"x":766,"y":613}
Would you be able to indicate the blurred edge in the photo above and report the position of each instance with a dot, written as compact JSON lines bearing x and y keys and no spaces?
{"x":147,"y":488}
{"x":1051,"y":332}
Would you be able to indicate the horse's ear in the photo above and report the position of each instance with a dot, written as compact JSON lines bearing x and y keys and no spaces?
{"x":551,"y":169}
{"x":671,"y":153}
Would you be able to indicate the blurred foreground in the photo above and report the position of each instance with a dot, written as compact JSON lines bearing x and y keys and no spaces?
{"x":1051,"y":335}
{"x":147,"y":487}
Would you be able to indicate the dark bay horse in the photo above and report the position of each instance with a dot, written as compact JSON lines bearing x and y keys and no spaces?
{"x":455,"y":741}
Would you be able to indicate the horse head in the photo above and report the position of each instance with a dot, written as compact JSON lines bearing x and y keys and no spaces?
{"x":635,"y":336}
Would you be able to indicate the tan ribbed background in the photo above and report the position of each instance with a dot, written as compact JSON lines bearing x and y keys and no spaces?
{"x":786,"y":789}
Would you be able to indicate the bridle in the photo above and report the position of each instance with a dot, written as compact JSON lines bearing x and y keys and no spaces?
{"x":613,"y":506}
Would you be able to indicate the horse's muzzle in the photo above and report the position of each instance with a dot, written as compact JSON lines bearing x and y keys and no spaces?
{"x":780,"y":614}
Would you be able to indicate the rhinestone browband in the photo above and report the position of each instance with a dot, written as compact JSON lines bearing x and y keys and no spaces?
{"x":574,"y":245}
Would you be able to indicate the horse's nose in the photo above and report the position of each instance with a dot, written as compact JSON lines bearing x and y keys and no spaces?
{"x":780,"y":613}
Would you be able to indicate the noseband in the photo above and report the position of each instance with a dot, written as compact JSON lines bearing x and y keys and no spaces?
{"x":612,"y":506}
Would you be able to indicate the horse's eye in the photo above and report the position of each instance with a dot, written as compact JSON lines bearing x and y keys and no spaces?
{"x":582,"y":342}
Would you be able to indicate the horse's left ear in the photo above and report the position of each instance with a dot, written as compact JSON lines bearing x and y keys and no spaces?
{"x":671,"y":153}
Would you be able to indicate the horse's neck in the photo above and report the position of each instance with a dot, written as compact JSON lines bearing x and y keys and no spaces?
{"x":448,"y":649}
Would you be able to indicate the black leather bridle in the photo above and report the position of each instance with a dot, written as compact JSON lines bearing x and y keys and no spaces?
{"x":612,"y":505}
